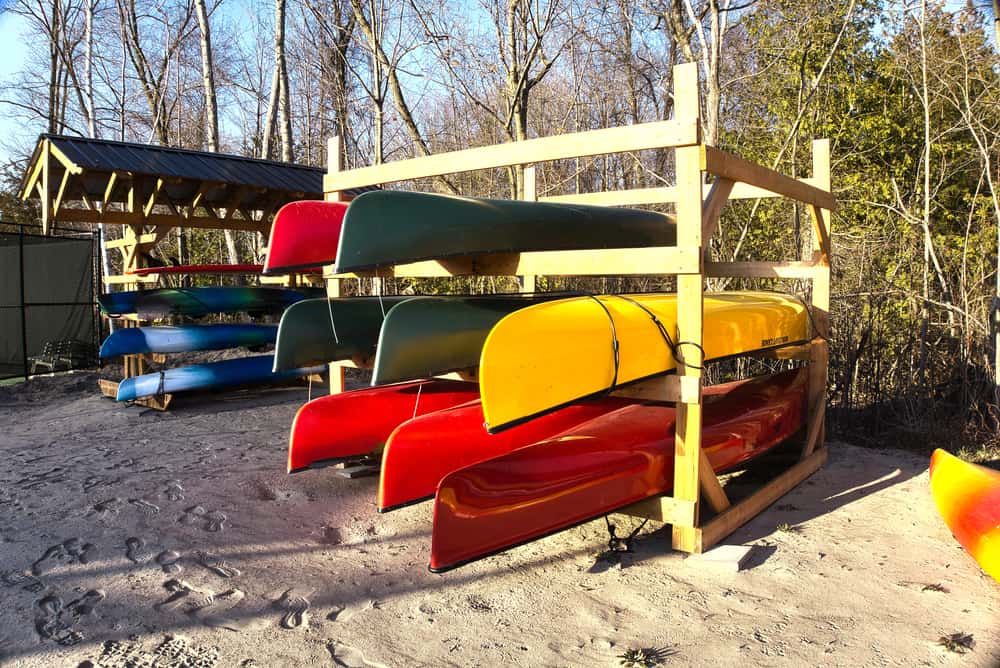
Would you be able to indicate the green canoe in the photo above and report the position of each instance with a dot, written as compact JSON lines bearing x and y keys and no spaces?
{"x":392,"y":227}
{"x":315,"y":331}
{"x":427,"y":336}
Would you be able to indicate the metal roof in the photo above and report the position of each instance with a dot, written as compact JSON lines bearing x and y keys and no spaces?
{"x":161,"y":161}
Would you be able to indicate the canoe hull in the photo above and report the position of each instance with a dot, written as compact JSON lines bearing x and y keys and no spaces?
{"x":355,"y":424}
{"x":571,"y":355}
{"x":317,"y":331}
{"x":215,"y":375}
{"x":422,"y":451}
{"x":968,"y":498}
{"x":393,"y":227}
{"x":600,"y":466}
{"x":428,"y":336}
{"x":304,"y":234}
{"x":199,"y":301}
{"x":184,"y":338}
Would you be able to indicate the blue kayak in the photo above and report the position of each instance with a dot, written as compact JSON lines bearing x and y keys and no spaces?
{"x":214,"y":375}
{"x":185,"y":338}
{"x":194,"y":302}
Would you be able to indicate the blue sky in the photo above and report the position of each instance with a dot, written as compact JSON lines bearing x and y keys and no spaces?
{"x":12,"y":53}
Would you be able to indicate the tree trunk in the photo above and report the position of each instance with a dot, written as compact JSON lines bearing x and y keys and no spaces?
{"x":208,"y":77}
{"x":281,"y":70}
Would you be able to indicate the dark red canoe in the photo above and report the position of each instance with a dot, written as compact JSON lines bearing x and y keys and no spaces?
{"x":422,"y":451}
{"x":602,"y":465}
{"x":353,"y":424}
{"x":304,"y":234}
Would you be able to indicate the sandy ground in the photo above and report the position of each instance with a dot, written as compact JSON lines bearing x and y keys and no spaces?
{"x":137,"y":538}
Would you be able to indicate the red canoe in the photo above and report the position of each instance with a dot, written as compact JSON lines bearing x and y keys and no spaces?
{"x":422,"y":451}
{"x":200,"y":269}
{"x":304,"y":234}
{"x":353,"y":424}
{"x":602,"y":465}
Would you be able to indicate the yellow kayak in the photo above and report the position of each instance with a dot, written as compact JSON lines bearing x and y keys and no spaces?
{"x":546,"y":356}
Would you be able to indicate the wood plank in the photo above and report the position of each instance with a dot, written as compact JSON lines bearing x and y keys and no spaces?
{"x":665,"y":509}
{"x":740,"y":513}
{"x":710,"y":486}
{"x":46,"y":187}
{"x":57,"y":202}
{"x":125,"y":218}
{"x":671,"y":388}
{"x":125,"y":279}
{"x":109,"y":190}
{"x":818,"y":361}
{"x":792,"y":269}
{"x":712,"y":208}
{"x":634,"y":197}
{"x":690,"y":325}
{"x":626,"y":261}
{"x":64,"y":160}
{"x":659,"y":134}
{"x":723,"y":164}
{"x":151,"y":202}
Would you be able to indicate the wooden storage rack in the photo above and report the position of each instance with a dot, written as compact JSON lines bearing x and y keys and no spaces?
{"x":698,"y":206}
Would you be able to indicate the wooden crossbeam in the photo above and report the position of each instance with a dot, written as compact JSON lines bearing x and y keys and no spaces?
{"x":124,"y":218}
{"x":712,"y":208}
{"x":729,"y":166}
{"x":761,"y":269}
{"x":151,"y":201}
{"x":628,"y":261}
{"x":57,"y":202}
{"x":660,"y":134}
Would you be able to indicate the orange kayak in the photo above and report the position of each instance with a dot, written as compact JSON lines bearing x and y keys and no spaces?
{"x":968,"y":498}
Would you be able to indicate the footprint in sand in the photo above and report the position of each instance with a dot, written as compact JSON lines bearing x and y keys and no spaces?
{"x":192,"y":515}
{"x":147,"y":508}
{"x":107,"y":507}
{"x":168,"y":561}
{"x":349,"y":657}
{"x":49,"y":622}
{"x":217,"y":565}
{"x":135,"y":550}
{"x":174,"y":491}
{"x":23,"y":580}
{"x":47,"y":560}
{"x":216,"y":521}
{"x":79,"y":551}
{"x":185,"y":595}
{"x":296,"y":608}
{"x":86,"y":604}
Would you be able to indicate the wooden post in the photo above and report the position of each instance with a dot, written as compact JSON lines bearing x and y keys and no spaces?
{"x":46,"y":187}
{"x":528,"y":282}
{"x":338,"y":373}
{"x":690,"y":306}
{"x":822,"y":251}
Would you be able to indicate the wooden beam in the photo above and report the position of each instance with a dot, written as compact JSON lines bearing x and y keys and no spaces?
{"x":627,"y":261}
{"x":818,"y":367}
{"x":109,"y":190}
{"x":633,"y":197}
{"x":151,"y":202}
{"x":126,"y":279}
{"x":638,"y":137}
{"x":710,"y":486}
{"x":712,"y":208}
{"x":33,"y":181}
{"x":761,"y":269}
{"x":741,"y":513}
{"x":665,"y":509}
{"x":64,"y":160}
{"x":690,"y":309}
{"x":196,"y":200}
{"x":57,"y":202}
{"x":671,"y":388}
{"x":124,"y":218}
{"x":46,"y":188}
{"x":232,"y":205}
{"x":729,"y":166}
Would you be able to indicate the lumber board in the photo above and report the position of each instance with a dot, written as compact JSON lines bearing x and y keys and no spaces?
{"x":710,"y":486}
{"x":715,"y":201}
{"x":161,"y":219}
{"x":742,"y":512}
{"x":660,"y":195}
{"x":690,"y":325}
{"x":658,"y":134}
{"x":791,"y":269}
{"x":665,"y":509}
{"x":622,"y":261}
{"x":160,"y":402}
{"x":720,"y":163}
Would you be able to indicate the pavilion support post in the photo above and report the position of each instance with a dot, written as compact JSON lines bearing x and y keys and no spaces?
{"x":46,"y":187}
